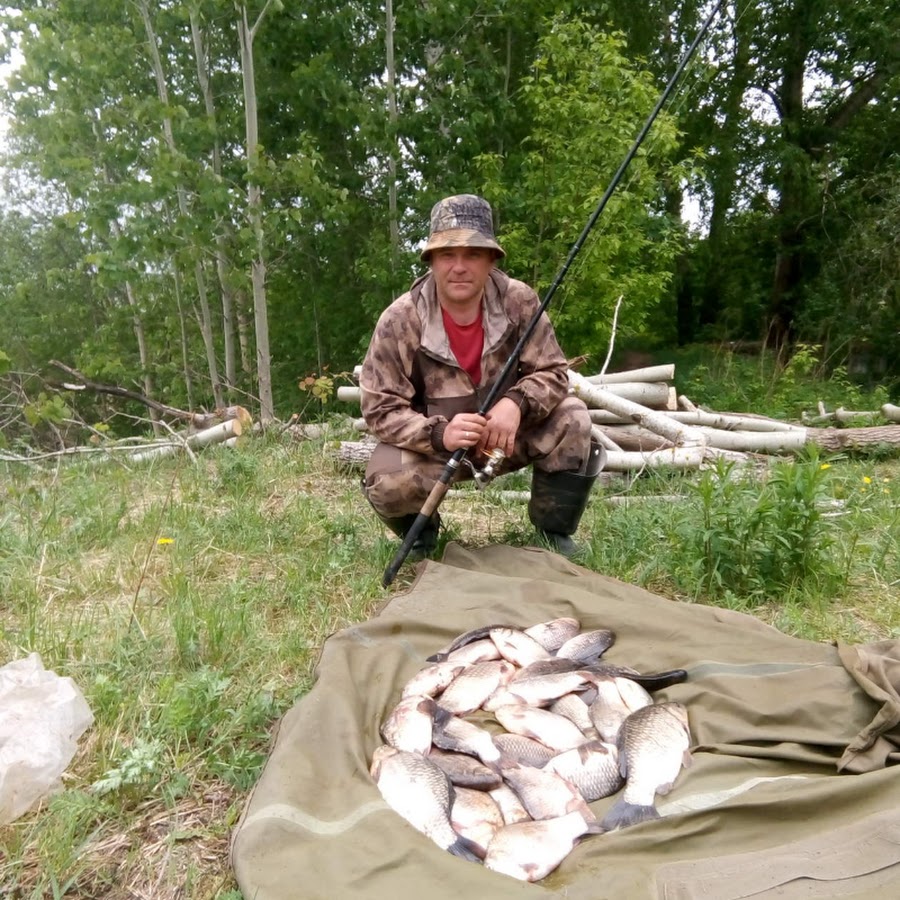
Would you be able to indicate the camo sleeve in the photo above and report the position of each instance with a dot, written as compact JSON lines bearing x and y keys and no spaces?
{"x":386,"y":386}
{"x":543,"y":382}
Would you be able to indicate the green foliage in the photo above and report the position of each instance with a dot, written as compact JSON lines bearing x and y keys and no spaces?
{"x":723,"y":379}
{"x":581,"y":75}
{"x":128,"y":212}
{"x":47,"y":410}
{"x":319,"y":386}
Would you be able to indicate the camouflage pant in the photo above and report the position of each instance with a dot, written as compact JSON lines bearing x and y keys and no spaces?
{"x":398,"y":481}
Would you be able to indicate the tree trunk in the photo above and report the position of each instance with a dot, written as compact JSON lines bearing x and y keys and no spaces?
{"x":724,"y":168}
{"x":246,"y":35}
{"x":392,"y":125}
{"x":185,"y":344}
{"x":206,"y":327}
{"x":223,"y":266}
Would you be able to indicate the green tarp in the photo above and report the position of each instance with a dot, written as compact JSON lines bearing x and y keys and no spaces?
{"x":792,"y":792}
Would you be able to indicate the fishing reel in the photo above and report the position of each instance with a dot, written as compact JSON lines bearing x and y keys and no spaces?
{"x":489,"y":469}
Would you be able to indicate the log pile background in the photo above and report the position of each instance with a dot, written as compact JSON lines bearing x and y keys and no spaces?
{"x":642,"y":423}
{"x":637,"y":416}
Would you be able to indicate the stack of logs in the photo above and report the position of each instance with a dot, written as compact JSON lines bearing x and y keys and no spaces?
{"x":641,"y":421}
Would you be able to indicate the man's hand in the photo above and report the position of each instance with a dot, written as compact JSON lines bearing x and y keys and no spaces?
{"x":464,"y":430}
{"x":503,"y":421}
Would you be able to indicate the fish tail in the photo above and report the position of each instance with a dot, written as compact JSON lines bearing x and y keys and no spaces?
{"x":466,"y":849}
{"x":623,"y":814}
{"x":659,"y":680}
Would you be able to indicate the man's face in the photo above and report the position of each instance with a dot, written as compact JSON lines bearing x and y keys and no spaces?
{"x":460,"y":273}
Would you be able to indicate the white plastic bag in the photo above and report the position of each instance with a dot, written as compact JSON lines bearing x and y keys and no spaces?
{"x":41,"y":718}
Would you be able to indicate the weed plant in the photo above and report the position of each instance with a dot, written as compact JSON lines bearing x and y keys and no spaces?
{"x":757,"y":539}
{"x":189,"y":601}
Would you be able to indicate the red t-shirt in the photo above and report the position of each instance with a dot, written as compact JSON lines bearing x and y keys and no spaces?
{"x":467,"y":344}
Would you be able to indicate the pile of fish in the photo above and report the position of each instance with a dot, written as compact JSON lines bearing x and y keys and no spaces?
{"x":497,"y":747}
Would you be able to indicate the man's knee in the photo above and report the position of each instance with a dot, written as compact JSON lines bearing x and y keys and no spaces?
{"x":397,"y":482}
{"x":565,"y":438}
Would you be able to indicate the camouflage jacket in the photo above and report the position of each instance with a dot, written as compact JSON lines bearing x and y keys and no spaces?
{"x":412,"y":384}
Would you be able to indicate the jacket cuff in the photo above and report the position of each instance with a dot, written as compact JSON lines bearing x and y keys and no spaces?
{"x":518,"y":397}
{"x":437,"y":436}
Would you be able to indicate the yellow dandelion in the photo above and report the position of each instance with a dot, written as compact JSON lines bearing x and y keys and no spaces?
{"x":866,"y":479}
{"x":166,"y":541}
{"x":825,"y":466}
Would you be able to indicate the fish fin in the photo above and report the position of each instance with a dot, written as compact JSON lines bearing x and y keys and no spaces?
{"x":441,"y":716}
{"x":687,"y":760}
{"x":466,"y":849}
{"x":623,"y":761}
{"x":594,"y":827}
{"x":437,"y":657}
{"x":664,"y":788}
{"x":623,"y":814}
{"x":506,"y":762}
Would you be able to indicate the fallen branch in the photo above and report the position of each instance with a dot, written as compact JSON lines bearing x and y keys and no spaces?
{"x":844,"y":416}
{"x":199,"y":421}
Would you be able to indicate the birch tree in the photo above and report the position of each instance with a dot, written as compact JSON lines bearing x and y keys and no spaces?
{"x":246,"y":35}
{"x":206,"y":325}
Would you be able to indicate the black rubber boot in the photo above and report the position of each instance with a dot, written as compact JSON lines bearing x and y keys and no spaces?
{"x":426,"y":543}
{"x":558,"y":501}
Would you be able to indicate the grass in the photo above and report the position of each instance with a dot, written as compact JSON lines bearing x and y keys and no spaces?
{"x":189,"y":601}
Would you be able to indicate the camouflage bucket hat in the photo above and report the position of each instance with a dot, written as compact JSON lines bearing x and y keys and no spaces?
{"x":463,"y":220}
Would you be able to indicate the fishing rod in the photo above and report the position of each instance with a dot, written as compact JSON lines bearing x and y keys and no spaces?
{"x":433,"y":500}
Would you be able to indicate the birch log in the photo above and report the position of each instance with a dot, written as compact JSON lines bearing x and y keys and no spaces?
{"x":651,"y":373}
{"x":628,"y":437}
{"x":634,"y":437}
{"x":834,"y":439}
{"x":216,"y":434}
{"x":673,"y":458}
{"x":600,"y":397}
{"x":725,"y":421}
{"x":654,"y":396}
{"x":604,"y":439}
